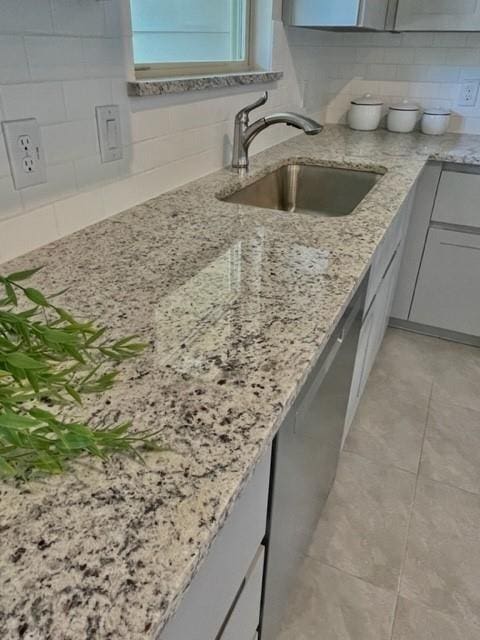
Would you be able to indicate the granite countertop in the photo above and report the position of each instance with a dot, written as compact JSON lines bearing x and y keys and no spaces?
{"x":236,"y":304}
{"x":164,"y":86}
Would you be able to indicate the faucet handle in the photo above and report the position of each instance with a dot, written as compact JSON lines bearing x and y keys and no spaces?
{"x":243,"y":113}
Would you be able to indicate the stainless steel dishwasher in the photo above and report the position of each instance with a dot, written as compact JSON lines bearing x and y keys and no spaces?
{"x":305,"y":459}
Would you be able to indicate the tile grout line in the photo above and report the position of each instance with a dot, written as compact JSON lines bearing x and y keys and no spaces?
{"x":402,"y":567}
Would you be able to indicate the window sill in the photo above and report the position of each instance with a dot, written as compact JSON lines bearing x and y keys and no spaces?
{"x":167,"y":86}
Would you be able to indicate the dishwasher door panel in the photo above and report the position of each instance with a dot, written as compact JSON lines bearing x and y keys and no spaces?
{"x":305,"y":462}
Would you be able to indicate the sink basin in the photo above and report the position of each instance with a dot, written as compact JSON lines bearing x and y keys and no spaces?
{"x":326,"y":191}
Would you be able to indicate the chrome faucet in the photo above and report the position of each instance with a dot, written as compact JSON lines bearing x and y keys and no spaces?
{"x":245,"y":132}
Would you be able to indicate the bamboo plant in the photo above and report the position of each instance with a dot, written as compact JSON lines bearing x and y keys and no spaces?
{"x":49,"y":361}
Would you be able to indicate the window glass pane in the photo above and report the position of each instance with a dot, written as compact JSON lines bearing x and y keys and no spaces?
{"x":189,"y":30}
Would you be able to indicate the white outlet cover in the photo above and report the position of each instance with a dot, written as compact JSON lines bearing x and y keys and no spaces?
{"x":25,"y":152}
{"x":468,"y":93}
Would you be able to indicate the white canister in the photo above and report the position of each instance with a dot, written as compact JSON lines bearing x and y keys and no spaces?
{"x":435,"y":121}
{"x":365,"y":113}
{"x":402,"y":117}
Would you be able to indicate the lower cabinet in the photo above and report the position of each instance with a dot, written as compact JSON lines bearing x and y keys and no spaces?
{"x":371,"y":337}
{"x":439,"y":285}
{"x":447,"y":294}
{"x":243,"y":622}
{"x":227,"y":587}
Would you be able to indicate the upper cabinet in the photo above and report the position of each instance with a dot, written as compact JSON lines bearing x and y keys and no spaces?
{"x":438,"y":15}
{"x":384,"y":15}
{"x":341,"y":14}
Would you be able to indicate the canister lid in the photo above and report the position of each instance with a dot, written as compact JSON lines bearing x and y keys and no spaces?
{"x":436,"y":111}
{"x":367,"y":99}
{"x":405,"y":105}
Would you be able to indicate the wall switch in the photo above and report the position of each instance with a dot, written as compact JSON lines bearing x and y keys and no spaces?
{"x":25,"y":152}
{"x":109,"y":132}
{"x":468,"y":94}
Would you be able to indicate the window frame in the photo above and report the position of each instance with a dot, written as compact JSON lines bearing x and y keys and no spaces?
{"x":145,"y":71}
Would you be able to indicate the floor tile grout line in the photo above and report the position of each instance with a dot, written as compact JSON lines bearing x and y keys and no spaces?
{"x":412,"y":506}
{"x":474,"y":494}
{"x":347,"y":573}
{"x":390,"y":465}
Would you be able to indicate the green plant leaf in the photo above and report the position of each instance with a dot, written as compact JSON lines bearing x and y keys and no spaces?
{"x":18,"y":276}
{"x":21,"y":360}
{"x":36,"y":296}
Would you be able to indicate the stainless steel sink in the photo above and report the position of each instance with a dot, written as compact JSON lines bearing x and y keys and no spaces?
{"x":327,"y":191}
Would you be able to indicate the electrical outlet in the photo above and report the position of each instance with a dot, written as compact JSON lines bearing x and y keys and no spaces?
{"x":25,"y":152}
{"x":468,"y":94}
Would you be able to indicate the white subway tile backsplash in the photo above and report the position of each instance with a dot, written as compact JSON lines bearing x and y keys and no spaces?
{"x":60,"y":183}
{"x":429,"y":55}
{"x":13,"y":60}
{"x":120,"y":195}
{"x":10,"y":200}
{"x":399,"y":55}
{"x":367,"y":54}
{"x":90,"y":171}
{"x":25,"y":232}
{"x":104,"y":57}
{"x":467,"y":56}
{"x":82,"y":96}
{"x":25,"y":16}
{"x":151,"y":123}
{"x":78,"y":17}
{"x":417,"y":39}
{"x":55,"y":57}
{"x":79,"y":211}
{"x":70,"y":140}
{"x":446,"y":39}
{"x":40,"y":100}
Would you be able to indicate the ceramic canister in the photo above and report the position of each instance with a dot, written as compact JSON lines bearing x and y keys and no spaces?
{"x":402,"y":117}
{"x":365,"y":113}
{"x":435,"y":121}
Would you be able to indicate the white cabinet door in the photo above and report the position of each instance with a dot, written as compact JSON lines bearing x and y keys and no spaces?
{"x":423,"y":201}
{"x":245,"y":618}
{"x":438,"y":15}
{"x":447,"y":295}
{"x":458,"y":198}
{"x":371,"y":337}
{"x":209,"y":598}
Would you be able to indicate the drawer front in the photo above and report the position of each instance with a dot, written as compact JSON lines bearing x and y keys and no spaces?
{"x":448,"y":289}
{"x":245,"y":618}
{"x":458,"y":199}
{"x":383,"y":255}
{"x":210,"y":596}
{"x":438,"y":15}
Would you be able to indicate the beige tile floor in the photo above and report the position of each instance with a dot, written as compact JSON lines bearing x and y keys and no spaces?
{"x":396,"y":555}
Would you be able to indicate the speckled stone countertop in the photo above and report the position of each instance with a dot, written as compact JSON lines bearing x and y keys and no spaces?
{"x":164,"y":86}
{"x":236,"y":304}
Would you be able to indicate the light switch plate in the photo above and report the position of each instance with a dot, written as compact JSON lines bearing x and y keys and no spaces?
{"x":109,"y":132}
{"x":25,"y":152}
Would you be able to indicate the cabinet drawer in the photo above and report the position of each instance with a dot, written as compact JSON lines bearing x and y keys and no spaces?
{"x":386,"y":249}
{"x":448,"y":289}
{"x":210,"y":596}
{"x":438,"y":15}
{"x":458,"y":199}
{"x":245,"y":618}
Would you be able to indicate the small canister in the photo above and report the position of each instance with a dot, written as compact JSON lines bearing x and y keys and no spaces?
{"x":402,"y":117}
{"x":435,"y":121}
{"x":365,"y":113}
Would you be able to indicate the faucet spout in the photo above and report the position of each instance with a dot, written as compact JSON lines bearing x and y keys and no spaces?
{"x":245,"y":133}
{"x":308,"y":125}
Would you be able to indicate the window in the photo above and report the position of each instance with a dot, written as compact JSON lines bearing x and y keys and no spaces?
{"x":188,"y":37}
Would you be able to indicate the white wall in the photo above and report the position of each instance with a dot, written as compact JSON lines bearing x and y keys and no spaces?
{"x":425,"y":67}
{"x":60,"y":58}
